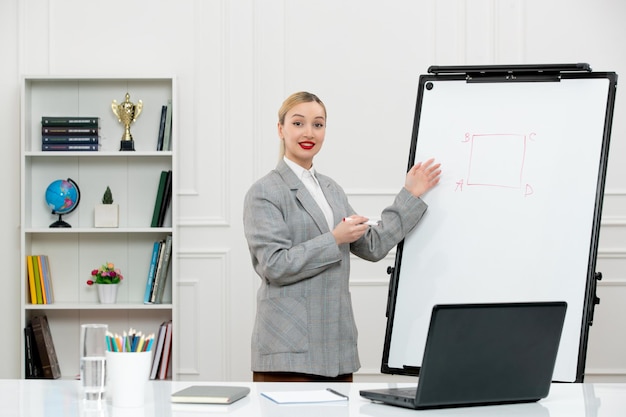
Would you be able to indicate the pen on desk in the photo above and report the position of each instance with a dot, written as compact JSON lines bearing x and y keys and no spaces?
{"x":337,"y":393}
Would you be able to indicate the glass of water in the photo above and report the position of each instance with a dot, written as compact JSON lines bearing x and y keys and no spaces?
{"x":93,"y":360}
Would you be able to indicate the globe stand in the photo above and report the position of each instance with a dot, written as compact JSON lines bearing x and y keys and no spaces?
{"x":60,"y":222}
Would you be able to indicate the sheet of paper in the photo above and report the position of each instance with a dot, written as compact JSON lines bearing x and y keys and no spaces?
{"x":300,"y":397}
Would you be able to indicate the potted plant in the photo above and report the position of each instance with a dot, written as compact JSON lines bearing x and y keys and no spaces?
{"x":107,"y":213}
{"x":107,"y":279}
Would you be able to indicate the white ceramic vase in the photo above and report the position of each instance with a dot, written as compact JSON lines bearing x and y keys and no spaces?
{"x":106,"y":215}
{"x":107,"y":293}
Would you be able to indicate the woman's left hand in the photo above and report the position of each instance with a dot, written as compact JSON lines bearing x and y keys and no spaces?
{"x":422,"y":177}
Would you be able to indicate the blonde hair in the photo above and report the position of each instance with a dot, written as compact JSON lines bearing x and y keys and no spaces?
{"x":289,"y":103}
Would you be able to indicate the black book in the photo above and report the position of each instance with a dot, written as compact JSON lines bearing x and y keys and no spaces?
{"x":32,"y":362}
{"x":45,"y":347}
{"x":69,"y":121}
{"x":66,"y":139}
{"x":167,"y":137}
{"x":69,"y":147}
{"x":69,"y":131}
{"x":161,"y":128}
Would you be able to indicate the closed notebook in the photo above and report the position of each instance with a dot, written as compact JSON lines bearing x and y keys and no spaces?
{"x":210,"y":394}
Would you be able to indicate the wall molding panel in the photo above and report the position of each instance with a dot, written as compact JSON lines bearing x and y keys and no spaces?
{"x":188,"y":290}
{"x":204,"y":300}
{"x":194,"y":222}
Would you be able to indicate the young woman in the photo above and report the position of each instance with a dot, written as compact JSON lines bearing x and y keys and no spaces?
{"x":301,"y":230}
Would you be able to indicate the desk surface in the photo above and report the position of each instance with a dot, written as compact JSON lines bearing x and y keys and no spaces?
{"x":62,"y":398}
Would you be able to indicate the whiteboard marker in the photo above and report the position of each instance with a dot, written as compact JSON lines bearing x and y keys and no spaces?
{"x":369,"y":222}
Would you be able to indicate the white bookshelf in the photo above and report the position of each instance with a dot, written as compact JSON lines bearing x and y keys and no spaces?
{"x":133,"y":177}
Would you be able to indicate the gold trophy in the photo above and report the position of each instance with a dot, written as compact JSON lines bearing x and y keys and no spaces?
{"x":127,"y":112}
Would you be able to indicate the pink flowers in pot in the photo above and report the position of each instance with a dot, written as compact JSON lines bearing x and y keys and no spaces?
{"x":106,"y":274}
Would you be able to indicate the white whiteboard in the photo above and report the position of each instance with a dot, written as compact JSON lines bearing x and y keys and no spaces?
{"x":513,"y":216}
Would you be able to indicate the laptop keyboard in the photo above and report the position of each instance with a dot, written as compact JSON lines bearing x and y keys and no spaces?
{"x":405,"y":392}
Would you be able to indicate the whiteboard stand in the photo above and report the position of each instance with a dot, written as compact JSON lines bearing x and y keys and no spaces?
{"x":516,"y":215}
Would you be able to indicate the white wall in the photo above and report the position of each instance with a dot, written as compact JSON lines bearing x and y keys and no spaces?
{"x":235,"y":61}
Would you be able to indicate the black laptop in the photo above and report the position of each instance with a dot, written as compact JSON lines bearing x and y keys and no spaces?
{"x":482,"y":354}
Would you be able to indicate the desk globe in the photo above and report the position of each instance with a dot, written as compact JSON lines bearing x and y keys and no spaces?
{"x":62,"y":197}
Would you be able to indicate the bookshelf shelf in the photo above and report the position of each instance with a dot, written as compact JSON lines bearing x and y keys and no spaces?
{"x":98,"y":154}
{"x":97,"y":306}
{"x":133,"y":177}
{"x":88,"y":230}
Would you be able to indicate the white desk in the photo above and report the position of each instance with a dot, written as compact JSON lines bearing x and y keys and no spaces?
{"x":37,"y":398}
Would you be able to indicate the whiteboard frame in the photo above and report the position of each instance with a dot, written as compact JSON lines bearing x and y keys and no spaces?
{"x":509,"y":74}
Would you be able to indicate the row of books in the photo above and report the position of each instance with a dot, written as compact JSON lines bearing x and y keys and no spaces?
{"x":39,"y":279}
{"x":162,"y":358}
{"x":163,"y":199}
{"x":164,"y":140}
{"x":158,"y":270}
{"x":80,"y":133}
{"x":40,"y":355}
{"x":70,"y":133}
{"x":41,"y":360}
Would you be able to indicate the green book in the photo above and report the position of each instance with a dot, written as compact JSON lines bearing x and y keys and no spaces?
{"x":167,"y":198}
{"x":159,"y":199}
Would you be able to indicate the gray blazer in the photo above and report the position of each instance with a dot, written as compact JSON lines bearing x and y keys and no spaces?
{"x":304,"y":321}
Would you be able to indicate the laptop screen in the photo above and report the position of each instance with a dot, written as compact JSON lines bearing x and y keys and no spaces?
{"x":479,"y":354}
{"x":486,"y":353}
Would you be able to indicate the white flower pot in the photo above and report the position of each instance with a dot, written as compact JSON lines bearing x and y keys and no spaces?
{"x":107,"y":293}
{"x":106,"y":215}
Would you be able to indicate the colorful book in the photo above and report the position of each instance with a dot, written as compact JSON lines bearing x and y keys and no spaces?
{"x":69,"y":131}
{"x":66,"y":139}
{"x":70,"y":121}
{"x":160,"y":283}
{"x":32,"y":289}
{"x":159,"y":199}
{"x":38,"y":288}
{"x":47,"y":278}
{"x":42,"y":282}
{"x":151,"y":272}
{"x":159,"y":146}
{"x":167,"y":136}
{"x":45,"y":347}
{"x":69,"y":147}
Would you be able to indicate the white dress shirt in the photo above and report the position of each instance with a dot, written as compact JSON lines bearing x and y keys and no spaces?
{"x":312,"y":185}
